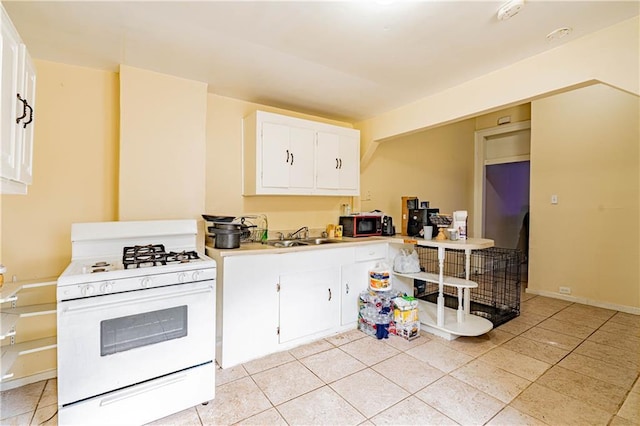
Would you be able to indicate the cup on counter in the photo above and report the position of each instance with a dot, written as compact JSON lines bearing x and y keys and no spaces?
{"x":428,"y":232}
{"x":453,"y":234}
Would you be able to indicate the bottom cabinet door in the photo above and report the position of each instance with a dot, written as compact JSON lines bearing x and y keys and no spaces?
{"x":309,"y":302}
{"x":248,"y":310}
{"x":355,"y":279}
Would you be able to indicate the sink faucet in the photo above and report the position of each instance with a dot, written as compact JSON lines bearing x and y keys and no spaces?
{"x":304,"y":233}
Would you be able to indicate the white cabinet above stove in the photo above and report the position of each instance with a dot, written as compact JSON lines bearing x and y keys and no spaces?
{"x":291,"y":156}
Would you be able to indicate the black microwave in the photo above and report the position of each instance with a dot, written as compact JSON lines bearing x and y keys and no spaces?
{"x":361,"y":226}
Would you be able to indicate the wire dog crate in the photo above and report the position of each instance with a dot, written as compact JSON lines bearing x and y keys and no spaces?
{"x":496,"y":270}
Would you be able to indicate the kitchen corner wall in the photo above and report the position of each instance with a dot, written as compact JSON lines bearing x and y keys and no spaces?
{"x":75,"y":168}
{"x":434,"y":165}
{"x":585,"y":148}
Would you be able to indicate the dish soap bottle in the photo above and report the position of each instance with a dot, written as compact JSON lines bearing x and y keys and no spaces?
{"x":265,"y":232}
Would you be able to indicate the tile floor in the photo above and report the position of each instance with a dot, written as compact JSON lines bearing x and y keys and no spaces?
{"x":558,"y":363}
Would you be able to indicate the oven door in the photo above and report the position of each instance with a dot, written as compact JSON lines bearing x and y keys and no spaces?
{"x":113,"y":341}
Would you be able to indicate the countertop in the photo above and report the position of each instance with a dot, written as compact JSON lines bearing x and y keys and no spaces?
{"x":259,"y":248}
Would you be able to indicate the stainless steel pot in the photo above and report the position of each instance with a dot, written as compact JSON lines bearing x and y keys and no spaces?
{"x":226,"y":238}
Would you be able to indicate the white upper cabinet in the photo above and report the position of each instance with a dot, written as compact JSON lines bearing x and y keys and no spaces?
{"x":290,"y":156}
{"x":287,"y":157}
{"x":338,"y":161}
{"x":17,"y":95}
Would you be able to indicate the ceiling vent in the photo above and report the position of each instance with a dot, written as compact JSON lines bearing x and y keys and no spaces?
{"x":510,"y":9}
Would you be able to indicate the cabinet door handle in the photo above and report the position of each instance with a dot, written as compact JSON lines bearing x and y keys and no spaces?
{"x":292,"y":158}
{"x":329,"y":295}
{"x":337,"y":164}
{"x":287,"y":156}
{"x":24,"y":125}
{"x":341,"y":164}
{"x":347,"y":285}
{"x":24,"y":108}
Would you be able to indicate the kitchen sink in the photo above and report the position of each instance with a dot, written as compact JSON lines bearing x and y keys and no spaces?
{"x":302,"y":242}
{"x":317,"y":241}
{"x":286,"y":243}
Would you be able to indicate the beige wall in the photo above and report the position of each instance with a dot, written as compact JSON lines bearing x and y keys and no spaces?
{"x":162,"y":146}
{"x":75,"y":169}
{"x":435,"y":165}
{"x":224,"y":173}
{"x":585,"y":149}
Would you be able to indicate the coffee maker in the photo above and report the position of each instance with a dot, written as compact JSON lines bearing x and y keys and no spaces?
{"x":419,"y":218}
{"x":387,"y":226}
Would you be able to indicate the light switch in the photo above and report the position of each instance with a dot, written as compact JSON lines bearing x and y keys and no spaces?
{"x":554,"y":199}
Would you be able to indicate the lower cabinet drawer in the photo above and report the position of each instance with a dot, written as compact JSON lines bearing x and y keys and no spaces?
{"x":371,"y":252}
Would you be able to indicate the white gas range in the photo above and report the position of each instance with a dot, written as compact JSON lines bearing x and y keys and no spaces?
{"x":136,"y":323}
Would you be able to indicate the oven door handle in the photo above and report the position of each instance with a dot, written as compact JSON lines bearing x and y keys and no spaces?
{"x":100,"y":305}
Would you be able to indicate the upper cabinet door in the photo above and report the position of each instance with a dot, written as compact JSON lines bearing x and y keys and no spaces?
{"x":301,"y":148}
{"x":17,"y":99}
{"x":338,"y":162}
{"x":328,"y":161}
{"x":287,"y":156}
{"x":350,"y":162}
{"x":276,"y":155}
{"x":8,"y":99}
{"x":24,"y":133}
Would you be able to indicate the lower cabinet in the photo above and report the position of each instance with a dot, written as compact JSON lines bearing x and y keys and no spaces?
{"x":247,"y":311}
{"x":309,"y":303}
{"x":272,"y":302}
{"x":310,"y":292}
{"x":355,"y":279}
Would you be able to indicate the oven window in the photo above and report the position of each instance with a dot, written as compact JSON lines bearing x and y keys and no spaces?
{"x":133,"y":331}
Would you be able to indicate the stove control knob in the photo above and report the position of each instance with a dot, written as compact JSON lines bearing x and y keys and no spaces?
{"x":144,"y":283}
{"x":87,"y":290}
{"x":106,"y":287}
{"x":196,"y":275}
{"x":182,"y":277}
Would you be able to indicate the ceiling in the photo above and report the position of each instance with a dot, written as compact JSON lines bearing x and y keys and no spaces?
{"x":343,"y":60}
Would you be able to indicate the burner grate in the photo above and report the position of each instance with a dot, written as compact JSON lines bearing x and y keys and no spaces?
{"x":144,"y":256}
{"x":182,"y":257}
{"x":154,"y":255}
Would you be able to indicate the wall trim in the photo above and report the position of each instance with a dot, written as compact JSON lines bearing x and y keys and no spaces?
{"x":584,"y":301}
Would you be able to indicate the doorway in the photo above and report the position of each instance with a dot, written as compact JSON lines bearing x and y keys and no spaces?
{"x":501,"y":178}
{"x":506,"y":203}
{"x":502,"y":187}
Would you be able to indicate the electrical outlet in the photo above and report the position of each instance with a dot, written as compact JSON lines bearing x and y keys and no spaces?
{"x":565,"y":290}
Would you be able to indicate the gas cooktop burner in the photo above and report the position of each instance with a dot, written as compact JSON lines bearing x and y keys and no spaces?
{"x":182,"y":257}
{"x":154,"y":255}
{"x":98,"y":270}
{"x":100,"y":265}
